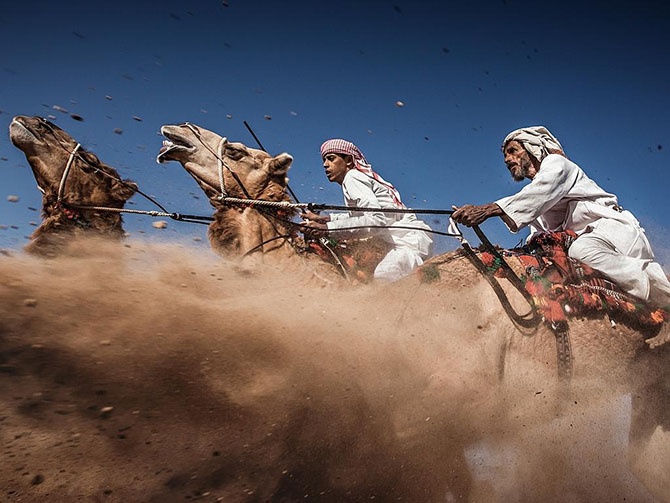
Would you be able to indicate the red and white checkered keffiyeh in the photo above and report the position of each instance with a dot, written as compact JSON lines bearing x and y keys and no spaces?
{"x":339,"y":146}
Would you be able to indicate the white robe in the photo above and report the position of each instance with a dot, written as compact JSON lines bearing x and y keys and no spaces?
{"x":610,"y":240}
{"x":410,"y":247}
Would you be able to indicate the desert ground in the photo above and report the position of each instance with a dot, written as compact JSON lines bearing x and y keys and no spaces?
{"x":156,"y":373}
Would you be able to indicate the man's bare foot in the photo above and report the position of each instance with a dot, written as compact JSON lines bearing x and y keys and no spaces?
{"x":662,"y":337}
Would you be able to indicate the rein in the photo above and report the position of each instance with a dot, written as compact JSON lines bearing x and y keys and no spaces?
{"x":560,"y":329}
{"x":67,"y":207}
{"x":522,"y":320}
{"x":222,"y":163}
{"x":228,"y":200}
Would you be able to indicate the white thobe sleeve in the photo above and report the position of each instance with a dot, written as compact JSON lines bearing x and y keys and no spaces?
{"x":358,"y":192}
{"x":552,"y":182}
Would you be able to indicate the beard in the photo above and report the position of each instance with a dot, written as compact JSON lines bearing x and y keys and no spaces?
{"x":522,"y":170}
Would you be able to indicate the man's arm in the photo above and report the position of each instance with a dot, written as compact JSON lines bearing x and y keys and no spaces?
{"x":474,"y":215}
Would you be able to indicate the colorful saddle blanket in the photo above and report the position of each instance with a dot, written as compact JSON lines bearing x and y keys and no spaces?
{"x":562,"y":287}
{"x":358,"y":258}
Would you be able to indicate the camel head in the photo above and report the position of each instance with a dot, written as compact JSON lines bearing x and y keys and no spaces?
{"x":247,"y":173}
{"x":244,"y":173}
{"x":48,"y":148}
{"x":89,"y":182}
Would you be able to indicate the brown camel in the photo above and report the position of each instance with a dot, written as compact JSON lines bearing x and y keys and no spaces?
{"x":247,"y":173}
{"x":258,"y":233}
{"x":70,"y":179}
{"x":521,"y":360}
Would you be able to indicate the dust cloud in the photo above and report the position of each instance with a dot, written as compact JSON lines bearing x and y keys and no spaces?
{"x":156,"y":373}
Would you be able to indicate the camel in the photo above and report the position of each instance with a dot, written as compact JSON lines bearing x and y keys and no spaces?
{"x":70,"y":179}
{"x":236,"y":230}
{"x":251,"y":232}
{"x":522,"y":359}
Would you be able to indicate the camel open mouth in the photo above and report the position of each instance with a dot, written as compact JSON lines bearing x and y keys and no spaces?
{"x":21,"y":134}
{"x":173,"y":143}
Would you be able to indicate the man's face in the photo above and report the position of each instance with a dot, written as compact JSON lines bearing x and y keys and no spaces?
{"x":519,"y":161}
{"x":336,"y":167}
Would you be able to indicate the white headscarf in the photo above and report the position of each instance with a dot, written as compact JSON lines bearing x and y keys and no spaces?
{"x":537,"y":140}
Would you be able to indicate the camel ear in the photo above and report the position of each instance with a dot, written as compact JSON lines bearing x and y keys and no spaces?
{"x":280,"y":164}
{"x":123,"y":190}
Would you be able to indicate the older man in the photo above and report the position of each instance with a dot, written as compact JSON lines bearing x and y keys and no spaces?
{"x":561,"y":197}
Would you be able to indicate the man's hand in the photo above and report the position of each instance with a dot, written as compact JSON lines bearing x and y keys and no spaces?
{"x":314,"y":226}
{"x":315,"y":217}
{"x":471,"y":215}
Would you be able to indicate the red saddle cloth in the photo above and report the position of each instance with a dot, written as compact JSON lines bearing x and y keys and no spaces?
{"x":358,"y":257}
{"x":562,"y":287}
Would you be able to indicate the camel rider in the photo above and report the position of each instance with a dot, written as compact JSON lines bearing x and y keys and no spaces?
{"x":561,"y":197}
{"x":362,"y":187}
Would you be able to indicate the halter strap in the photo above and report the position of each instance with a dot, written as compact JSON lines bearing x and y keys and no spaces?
{"x":66,"y":171}
{"x":221,"y":164}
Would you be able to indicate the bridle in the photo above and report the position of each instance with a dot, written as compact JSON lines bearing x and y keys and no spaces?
{"x":66,"y":172}
{"x":224,"y":196}
{"x":221,"y":163}
{"x":68,"y":165}
{"x":70,"y":210}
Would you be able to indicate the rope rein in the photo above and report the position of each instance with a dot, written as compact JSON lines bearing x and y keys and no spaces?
{"x":532,"y":318}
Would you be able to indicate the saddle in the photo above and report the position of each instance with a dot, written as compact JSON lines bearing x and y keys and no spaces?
{"x":356,"y":258}
{"x":562,"y":287}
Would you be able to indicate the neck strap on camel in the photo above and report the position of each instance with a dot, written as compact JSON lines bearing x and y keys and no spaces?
{"x":66,"y":172}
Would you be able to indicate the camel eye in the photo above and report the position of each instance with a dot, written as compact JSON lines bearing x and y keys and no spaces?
{"x":234,"y":152}
{"x":44,"y":124}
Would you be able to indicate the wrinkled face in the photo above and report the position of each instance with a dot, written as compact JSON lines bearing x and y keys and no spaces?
{"x":46,"y":146}
{"x":214,"y":161}
{"x":519,"y":162}
{"x":336,"y":166}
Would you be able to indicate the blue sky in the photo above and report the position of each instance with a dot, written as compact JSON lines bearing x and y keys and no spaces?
{"x":595,"y":73}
